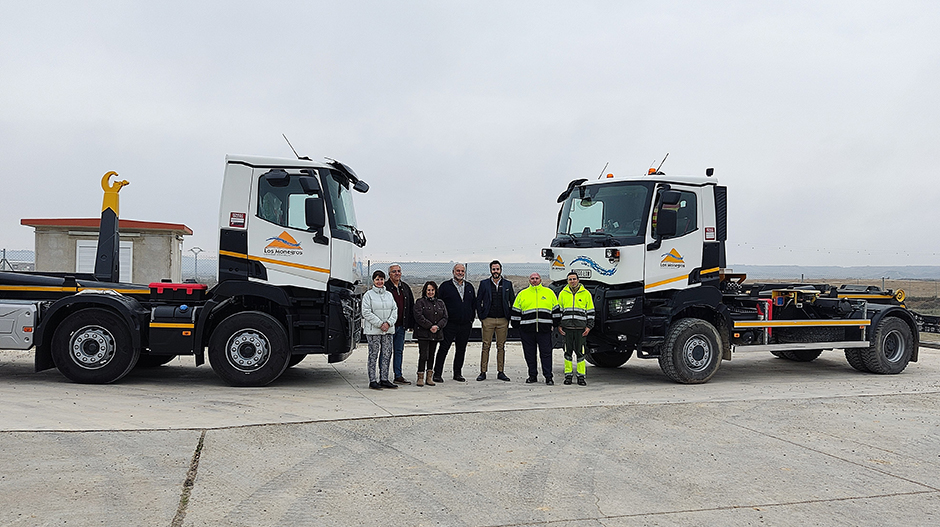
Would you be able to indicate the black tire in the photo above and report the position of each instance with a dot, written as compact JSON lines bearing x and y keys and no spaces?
{"x":607,"y":359}
{"x":153,"y":361}
{"x":891,"y":348}
{"x":778,"y":354}
{"x":854,"y":356}
{"x":249,"y":349}
{"x":93,"y":346}
{"x":295,"y":360}
{"x":691,"y":353}
{"x":801,"y":355}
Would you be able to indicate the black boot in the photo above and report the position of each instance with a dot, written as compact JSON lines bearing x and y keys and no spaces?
{"x":568,"y":379}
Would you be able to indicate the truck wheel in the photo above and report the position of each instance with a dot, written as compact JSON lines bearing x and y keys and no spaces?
{"x":153,"y":361}
{"x":891,"y":347}
{"x":249,"y":349}
{"x":295,"y":360}
{"x":801,"y":355}
{"x":691,"y":353}
{"x":854,"y":356}
{"x":93,"y":346}
{"x":607,"y":359}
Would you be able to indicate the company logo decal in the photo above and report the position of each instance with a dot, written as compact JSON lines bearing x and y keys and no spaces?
{"x":595,"y":266}
{"x":672,"y":259}
{"x":283,"y":244}
{"x":558,"y":262}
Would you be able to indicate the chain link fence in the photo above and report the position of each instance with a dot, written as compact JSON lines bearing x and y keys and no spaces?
{"x":204,"y":270}
{"x":17,"y":260}
{"x":417,"y":273}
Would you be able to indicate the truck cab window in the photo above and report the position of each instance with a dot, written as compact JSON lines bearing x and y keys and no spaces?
{"x":282,"y":205}
{"x":686,"y":214}
{"x":340,"y":204}
{"x":593,"y":214}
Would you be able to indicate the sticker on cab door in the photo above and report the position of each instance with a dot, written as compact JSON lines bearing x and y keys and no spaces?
{"x":237,"y":220}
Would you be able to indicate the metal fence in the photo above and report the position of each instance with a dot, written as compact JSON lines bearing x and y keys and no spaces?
{"x":417,"y":273}
{"x":17,"y":260}
{"x":202,"y":269}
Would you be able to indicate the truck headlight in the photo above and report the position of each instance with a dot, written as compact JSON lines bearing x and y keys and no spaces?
{"x":619,"y":306}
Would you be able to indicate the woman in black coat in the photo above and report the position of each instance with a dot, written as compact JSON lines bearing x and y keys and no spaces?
{"x":430,"y":318}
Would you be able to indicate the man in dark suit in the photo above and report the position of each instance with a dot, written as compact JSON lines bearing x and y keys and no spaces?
{"x":460,"y":299}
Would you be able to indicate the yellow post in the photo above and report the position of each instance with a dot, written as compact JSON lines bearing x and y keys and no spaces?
{"x":110,"y":200}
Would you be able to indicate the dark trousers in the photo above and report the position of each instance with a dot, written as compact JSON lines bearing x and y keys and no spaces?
{"x":543,"y":342}
{"x":458,"y":335}
{"x":426,"y":354}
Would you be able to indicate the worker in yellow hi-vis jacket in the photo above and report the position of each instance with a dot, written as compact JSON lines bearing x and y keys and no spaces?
{"x":577,"y":319}
{"x":535,"y":314}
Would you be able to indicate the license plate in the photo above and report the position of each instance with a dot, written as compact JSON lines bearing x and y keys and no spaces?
{"x":583,"y":273}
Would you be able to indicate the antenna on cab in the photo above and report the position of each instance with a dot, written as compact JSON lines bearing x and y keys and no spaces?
{"x":603,"y":170}
{"x":656,"y":172}
{"x":294,"y":151}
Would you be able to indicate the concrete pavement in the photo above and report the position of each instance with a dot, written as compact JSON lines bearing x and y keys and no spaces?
{"x":767,"y":441}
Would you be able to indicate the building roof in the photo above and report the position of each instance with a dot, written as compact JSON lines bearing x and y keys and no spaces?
{"x":93,"y":223}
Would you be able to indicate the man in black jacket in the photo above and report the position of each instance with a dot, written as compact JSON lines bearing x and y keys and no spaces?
{"x":494,"y":298}
{"x":459,"y":297}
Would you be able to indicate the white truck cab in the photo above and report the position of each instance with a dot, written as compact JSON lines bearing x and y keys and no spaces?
{"x":645,"y":247}
{"x":651,"y":250}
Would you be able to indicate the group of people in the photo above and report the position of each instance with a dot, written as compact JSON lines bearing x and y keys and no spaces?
{"x":443,"y":316}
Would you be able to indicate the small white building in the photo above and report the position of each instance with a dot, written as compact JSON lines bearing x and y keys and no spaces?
{"x":150,"y":251}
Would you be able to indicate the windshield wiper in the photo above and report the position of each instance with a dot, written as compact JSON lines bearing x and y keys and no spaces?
{"x":361,"y":236}
{"x":574,"y":240}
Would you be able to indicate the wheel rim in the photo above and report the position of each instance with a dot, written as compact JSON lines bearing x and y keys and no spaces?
{"x":92,"y":347}
{"x":247,"y":350}
{"x":697,"y":353}
{"x":894,"y":346}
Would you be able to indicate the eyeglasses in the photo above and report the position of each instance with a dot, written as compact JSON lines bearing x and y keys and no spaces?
{"x":395,"y":272}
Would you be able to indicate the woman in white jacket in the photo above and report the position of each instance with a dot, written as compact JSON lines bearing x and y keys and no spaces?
{"x":379,"y":312}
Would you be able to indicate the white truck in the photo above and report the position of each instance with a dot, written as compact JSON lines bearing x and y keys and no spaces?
{"x":651,"y":250}
{"x":290,"y":284}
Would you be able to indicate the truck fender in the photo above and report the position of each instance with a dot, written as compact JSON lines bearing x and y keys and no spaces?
{"x":222,"y":294}
{"x":903,"y":314}
{"x":718,"y":316}
{"x":127,"y":307}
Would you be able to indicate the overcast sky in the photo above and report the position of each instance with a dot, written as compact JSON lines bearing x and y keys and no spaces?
{"x":469,"y":118}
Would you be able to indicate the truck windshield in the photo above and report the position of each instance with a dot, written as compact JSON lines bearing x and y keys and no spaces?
{"x":343,"y":218}
{"x":604,"y":215}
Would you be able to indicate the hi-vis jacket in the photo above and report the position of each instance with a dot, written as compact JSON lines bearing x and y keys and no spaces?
{"x":577,"y":309}
{"x":536,"y":310}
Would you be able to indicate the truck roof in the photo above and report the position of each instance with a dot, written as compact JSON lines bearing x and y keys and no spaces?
{"x":261,"y":161}
{"x":660,"y":178}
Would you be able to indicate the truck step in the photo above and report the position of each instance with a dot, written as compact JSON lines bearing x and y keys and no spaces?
{"x":796,"y":346}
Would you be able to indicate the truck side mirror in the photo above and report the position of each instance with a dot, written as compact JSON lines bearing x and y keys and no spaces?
{"x":671,"y":197}
{"x":277,"y":177}
{"x":667,"y":222}
{"x":310,"y":185}
{"x":361,"y":186}
{"x":314,"y":214}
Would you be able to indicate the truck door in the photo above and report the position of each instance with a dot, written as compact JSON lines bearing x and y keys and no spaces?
{"x":291,"y":252}
{"x":670,"y":258}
